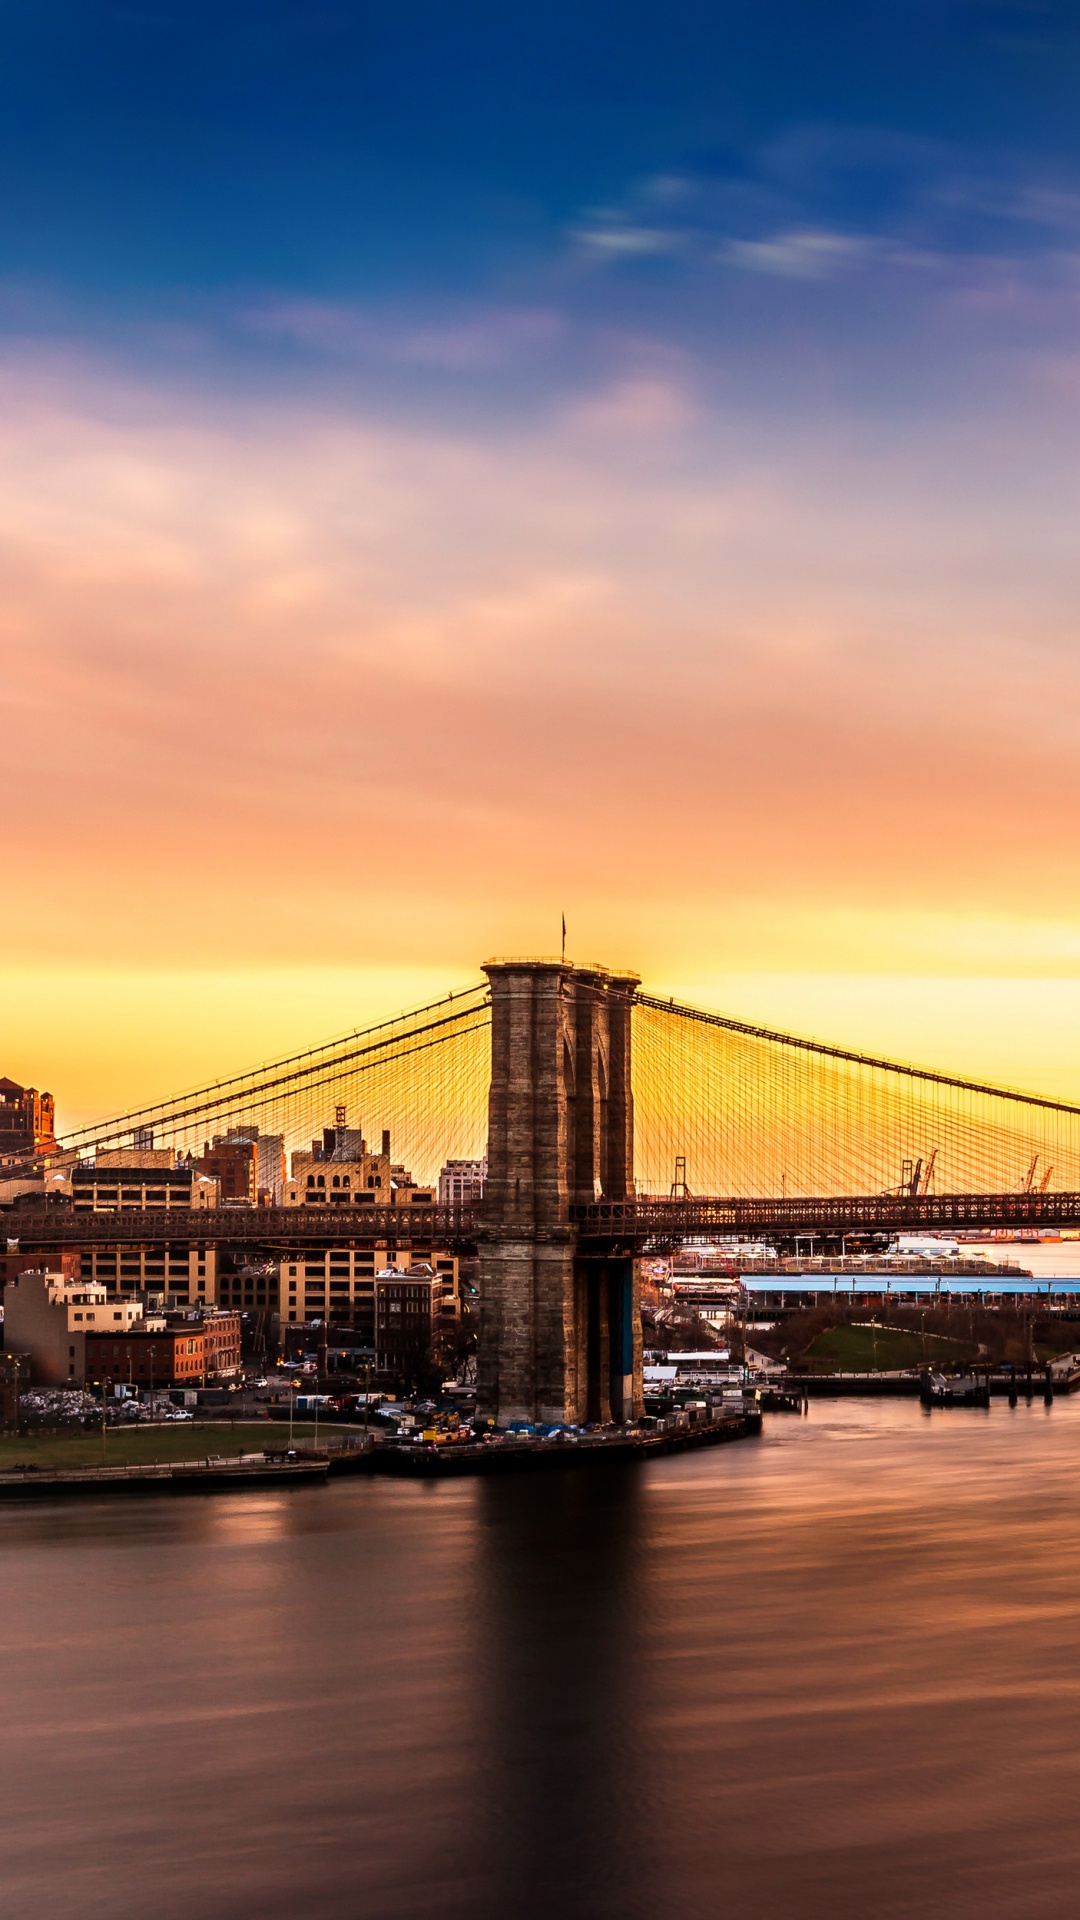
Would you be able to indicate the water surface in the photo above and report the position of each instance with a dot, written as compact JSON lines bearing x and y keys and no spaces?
{"x":832,"y":1672}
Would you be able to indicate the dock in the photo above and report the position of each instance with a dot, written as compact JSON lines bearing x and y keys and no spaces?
{"x":181,"y":1476}
{"x":1061,"y":1377}
{"x":531,"y":1455}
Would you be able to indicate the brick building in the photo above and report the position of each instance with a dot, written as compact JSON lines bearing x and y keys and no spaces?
{"x":234,"y":1164}
{"x":27,"y":1123}
{"x":148,"y":1354}
{"x":407,"y":1307}
{"x":221,"y":1340}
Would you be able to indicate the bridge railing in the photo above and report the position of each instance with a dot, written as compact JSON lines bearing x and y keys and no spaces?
{"x":664,"y":1218}
{"x":247,"y":1226}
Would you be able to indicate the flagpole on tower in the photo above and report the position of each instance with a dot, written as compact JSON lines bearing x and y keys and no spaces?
{"x":564,"y":936}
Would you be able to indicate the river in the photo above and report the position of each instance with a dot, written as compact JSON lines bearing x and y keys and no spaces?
{"x":831,"y":1672}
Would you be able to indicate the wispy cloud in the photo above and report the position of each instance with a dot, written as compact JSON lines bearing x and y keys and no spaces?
{"x":825,"y":203}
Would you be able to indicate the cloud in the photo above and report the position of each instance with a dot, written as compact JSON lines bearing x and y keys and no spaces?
{"x":821,"y":201}
{"x":466,"y":342}
{"x":289,"y":682}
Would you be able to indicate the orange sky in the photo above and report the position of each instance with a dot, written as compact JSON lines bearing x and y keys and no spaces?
{"x":305,"y":713}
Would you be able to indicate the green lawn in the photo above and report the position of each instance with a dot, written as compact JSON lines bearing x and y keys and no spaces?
{"x":128,"y":1446}
{"x":882,"y":1350}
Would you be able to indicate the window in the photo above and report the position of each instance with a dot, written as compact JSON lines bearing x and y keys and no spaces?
{"x":311,"y":1179}
{"x":320,"y":1182}
{"x":337,"y":1181}
{"x":345,"y":1180}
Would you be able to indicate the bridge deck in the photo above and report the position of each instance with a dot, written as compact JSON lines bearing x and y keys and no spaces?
{"x":631,"y":1224}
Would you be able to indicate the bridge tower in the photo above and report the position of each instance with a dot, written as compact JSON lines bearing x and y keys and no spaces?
{"x":559,"y":1327}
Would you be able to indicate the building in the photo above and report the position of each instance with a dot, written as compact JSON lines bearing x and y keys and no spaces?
{"x":143,"y":1155}
{"x":341,"y":1142}
{"x":461,"y":1182}
{"x":110,"y":1186}
{"x":167,"y":1350}
{"x":181,"y":1271}
{"x":337,"y":1284}
{"x":233,"y":1162}
{"x":415,"y":1308}
{"x":221,"y":1342}
{"x":146,"y":1354}
{"x":63,"y":1261}
{"x":341,"y":1172}
{"x":27,"y":1123}
{"x":404,"y":1312}
{"x":269,"y":1163}
{"x":251,"y":1287}
{"x":49,"y":1317}
{"x":14,"y":1376}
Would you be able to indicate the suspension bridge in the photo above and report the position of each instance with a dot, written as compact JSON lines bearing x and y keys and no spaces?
{"x":612,"y":1122}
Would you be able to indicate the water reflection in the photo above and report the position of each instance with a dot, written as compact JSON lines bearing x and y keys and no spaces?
{"x":836,"y":1671}
{"x":562,"y":1649}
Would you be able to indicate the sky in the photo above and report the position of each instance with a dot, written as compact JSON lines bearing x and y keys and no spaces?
{"x":463,"y":464}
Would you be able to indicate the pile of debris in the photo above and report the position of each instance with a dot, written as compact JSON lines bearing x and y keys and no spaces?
{"x":55,"y":1406}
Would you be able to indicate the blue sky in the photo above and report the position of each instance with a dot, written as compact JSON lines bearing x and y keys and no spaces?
{"x":163,"y":150}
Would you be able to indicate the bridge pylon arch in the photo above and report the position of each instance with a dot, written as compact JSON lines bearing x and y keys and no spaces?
{"x":560,"y":1331}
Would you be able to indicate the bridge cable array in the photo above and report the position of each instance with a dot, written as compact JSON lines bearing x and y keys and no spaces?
{"x":422,"y":1075}
{"x":755,"y":1112}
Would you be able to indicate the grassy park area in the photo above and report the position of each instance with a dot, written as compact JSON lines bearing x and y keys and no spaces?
{"x":863,"y":1349}
{"x":143,"y":1446}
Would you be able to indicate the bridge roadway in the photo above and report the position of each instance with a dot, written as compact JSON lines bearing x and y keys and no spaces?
{"x":630,"y":1226}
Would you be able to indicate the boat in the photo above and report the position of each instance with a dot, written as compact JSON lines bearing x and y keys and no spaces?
{"x":954,"y":1390}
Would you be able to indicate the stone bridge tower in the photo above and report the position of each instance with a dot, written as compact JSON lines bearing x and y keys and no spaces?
{"x":560,"y":1332}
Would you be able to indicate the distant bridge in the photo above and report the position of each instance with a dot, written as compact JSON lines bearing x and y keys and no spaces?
{"x":613,"y":1122}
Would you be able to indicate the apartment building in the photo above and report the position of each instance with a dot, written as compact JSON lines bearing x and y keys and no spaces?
{"x":338,"y":1284}
{"x":461,"y":1182}
{"x":182,"y":1270}
{"x":412,"y":1309}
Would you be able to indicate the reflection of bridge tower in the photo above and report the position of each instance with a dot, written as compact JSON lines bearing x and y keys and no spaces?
{"x":560,"y":1336}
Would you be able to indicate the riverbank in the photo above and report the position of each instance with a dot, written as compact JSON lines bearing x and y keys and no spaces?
{"x":211,"y":1468}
